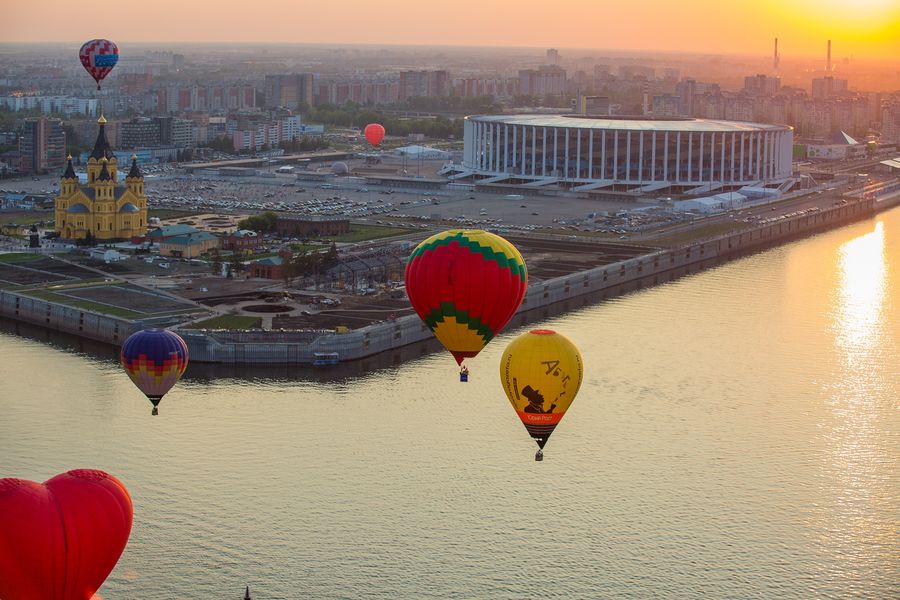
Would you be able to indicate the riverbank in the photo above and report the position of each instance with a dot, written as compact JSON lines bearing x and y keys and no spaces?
{"x":552,"y":296}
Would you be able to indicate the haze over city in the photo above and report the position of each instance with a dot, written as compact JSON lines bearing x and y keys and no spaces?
{"x":860,"y":28}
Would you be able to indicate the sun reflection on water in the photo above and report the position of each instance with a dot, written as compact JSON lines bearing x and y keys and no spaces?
{"x":853,"y":483}
{"x":863,"y":274}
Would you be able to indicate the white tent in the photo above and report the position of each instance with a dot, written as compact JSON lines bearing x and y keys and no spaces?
{"x":423,"y":152}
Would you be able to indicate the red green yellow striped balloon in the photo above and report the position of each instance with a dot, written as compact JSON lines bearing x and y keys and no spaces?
{"x":466,"y":284}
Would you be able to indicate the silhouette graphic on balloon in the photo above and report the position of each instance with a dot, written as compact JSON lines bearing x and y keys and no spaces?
{"x":552,"y":366}
{"x":59,"y":540}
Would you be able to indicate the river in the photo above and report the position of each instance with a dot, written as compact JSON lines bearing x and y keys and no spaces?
{"x":736,"y":436}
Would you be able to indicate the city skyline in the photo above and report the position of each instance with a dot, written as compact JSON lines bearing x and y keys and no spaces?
{"x":862,"y":29}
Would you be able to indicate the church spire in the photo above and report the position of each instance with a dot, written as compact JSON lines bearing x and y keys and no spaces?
{"x":104,"y":172}
{"x":70,"y":171}
{"x":102,"y":149}
{"x":135,"y":171}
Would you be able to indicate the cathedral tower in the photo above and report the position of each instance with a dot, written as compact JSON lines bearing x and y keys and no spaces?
{"x":102,"y":208}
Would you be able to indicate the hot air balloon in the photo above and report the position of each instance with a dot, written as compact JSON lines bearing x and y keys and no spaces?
{"x":465,"y":285}
{"x":541,"y":372}
{"x":98,"y":58}
{"x":155,"y":359}
{"x":60,"y":539}
{"x":374,"y":133}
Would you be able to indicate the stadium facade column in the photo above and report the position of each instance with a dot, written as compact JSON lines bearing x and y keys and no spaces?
{"x":666,"y":157}
{"x":591,"y":154}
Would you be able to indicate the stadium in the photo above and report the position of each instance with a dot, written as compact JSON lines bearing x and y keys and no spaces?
{"x":624,"y":154}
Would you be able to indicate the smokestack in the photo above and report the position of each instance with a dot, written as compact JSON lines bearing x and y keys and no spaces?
{"x":828,"y":63}
{"x":645,"y":105}
{"x":775,"y":56}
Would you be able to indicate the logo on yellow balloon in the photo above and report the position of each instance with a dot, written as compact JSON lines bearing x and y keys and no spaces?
{"x":541,"y":372}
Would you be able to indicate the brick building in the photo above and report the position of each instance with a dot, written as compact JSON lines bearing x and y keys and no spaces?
{"x":310,"y":226}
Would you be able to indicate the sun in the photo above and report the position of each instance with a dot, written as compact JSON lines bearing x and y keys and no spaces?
{"x":872,"y":26}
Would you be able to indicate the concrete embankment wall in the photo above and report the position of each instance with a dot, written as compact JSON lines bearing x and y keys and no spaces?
{"x":297,"y":347}
{"x":58,"y":317}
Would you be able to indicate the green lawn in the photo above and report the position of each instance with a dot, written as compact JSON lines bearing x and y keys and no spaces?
{"x":29,"y":217}
{"x":227,"y":322}
{"x":362,"y":233}
{"x":85,"y":304}
{"x":699,"y":233}
{"x":18,"y":257}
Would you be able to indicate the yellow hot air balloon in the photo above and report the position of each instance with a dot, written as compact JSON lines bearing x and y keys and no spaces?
{"x":541,"y":372}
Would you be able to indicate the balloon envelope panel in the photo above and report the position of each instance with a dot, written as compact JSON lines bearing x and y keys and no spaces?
{"x":374,"y":133}
{"x":541,"y":372}
{"x":155,"y":359}
{"x":465,"y":285}
{"x":60,"y":539}
{"x":98,"y":57}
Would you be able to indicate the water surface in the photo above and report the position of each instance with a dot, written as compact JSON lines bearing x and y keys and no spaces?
{"x":736,"y":436}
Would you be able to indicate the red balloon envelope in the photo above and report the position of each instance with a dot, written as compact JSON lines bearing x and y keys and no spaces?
{"x":60,"y":539}
{"x":98,"y":57}
{"x":374,"y":133}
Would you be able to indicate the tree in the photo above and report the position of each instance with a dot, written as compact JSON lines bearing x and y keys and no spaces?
{"x":263,"y":222}
{"x":235,"y":263}
{"x":216,"y":261}
{"x":289,"y":268}
{"x":222,"y":144}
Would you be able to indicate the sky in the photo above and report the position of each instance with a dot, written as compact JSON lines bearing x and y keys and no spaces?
{"x":861,"y":28}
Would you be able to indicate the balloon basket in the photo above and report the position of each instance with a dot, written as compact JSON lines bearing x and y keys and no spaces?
{"x":464,"y":377}
{"x":155,"y":411}
{"x":539,"y":456}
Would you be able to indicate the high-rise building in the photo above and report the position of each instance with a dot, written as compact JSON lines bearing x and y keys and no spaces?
{"x":545,"y":81}
{"x":761,"y":84}
{"x":176,"y":132}
{"x":142,"y":132}
{"x":828,"y":87}
{"x":890,"y":123}
{"x":289,"y":91}
{"x":42,"y":146}
{"x":552,"y":56}
{"x":139,"y":132}
{"x":666,"y":105}
{"x":428,"y":84}
{"x":592,"y":105}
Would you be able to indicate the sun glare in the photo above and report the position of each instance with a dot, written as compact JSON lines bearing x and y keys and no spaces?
{"x":864,"y":22}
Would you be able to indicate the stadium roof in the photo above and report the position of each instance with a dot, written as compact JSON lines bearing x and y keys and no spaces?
{"x":629,"y":123}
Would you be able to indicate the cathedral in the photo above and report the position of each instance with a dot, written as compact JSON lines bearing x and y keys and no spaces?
{"x":103,"y":209}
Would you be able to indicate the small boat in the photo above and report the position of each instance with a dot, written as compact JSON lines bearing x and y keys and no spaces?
{"x":323,"y":359}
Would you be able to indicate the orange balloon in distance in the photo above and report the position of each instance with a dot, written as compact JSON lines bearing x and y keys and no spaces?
{"x":465,"y":285}
{"x":374,"y":133}
{"x":541,"y":372}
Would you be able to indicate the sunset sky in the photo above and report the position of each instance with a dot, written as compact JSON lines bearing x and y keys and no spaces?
{"x":862,"y":28}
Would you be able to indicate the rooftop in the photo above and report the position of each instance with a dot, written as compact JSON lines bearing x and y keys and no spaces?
{"x":628,"y":123}
{"x":190,"y":239}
